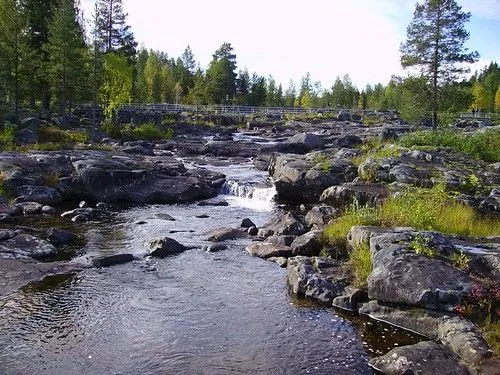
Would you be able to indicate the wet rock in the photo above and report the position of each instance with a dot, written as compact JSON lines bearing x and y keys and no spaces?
{"x":31,"y":122}
{"x":350,"y":299}
{"x":268,"y":250}
{"x":285,"y":240}
{"x":6,"y":234}
{"x":318,"y":278}
{"x":202,"y":216}
{"x":42,"y":194}
{"x":83,"y":204}
{"x":102,"y":206}
{"x":162,"y":247}
{"x":320,"y":215}
{"x":247,"y":223}
{"x":25,"y":245}
{"x":111,"y":260}
{"x":427,"y":357}
{"x":215,"y":247}
{"x":164,"y":216}
{"x":308,"y":244}
{"x":58,"y":236}
{"x":253,"y":231}
{"x":30,"y":208}
{"x":223,"y":234}
{"x":11,"y":210}
{"x":213,"y":202}
{"x":81,"y":218}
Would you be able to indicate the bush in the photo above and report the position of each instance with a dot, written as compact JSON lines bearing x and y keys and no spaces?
{"x":53,"y":134}
{"x":483,"y":145}
{"x":7,"y":137}
{"x":147,"y":131}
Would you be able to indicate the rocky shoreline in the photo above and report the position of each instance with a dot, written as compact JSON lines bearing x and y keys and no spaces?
{"x":314,"y":168}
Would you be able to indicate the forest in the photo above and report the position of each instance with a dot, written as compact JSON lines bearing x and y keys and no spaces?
{"x":52,"y":59}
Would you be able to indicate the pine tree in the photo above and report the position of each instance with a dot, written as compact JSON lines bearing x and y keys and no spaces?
{"x":114,"y":33}
{"x":435,"y":43}
{"x":221,"y":75}
{"x":67,"y":67}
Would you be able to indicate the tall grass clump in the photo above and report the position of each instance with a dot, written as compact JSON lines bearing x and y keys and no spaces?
{"x":361,"y":265}
{"x":53,"y":134}
{"x":7,"y":137}
{"x":147,"y":131}
{"x":484,"y":145}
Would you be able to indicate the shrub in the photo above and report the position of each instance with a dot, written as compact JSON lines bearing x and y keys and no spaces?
{"x":360,"y":262}
{"x":483,"y":145}
{"x":148,"y":131}
{"x":53,"y":134}
{"x":7,"y":137}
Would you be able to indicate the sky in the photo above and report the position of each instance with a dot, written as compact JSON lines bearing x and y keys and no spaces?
{"x":287,"y":38}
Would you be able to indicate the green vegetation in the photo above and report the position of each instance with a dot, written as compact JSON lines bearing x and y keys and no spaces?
{"x":484,"y":145}
{"x":360,"y":263}
{"x":53,"y":134}
{"x":323,"y":162}
{"x":460,"y":260}
{"x":427,"y":209}
{"x":7,"y":137}
{"x":148,"y":131}
{"x":420,"y":245}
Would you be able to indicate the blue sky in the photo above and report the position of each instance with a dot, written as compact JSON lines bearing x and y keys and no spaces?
{"x":287,"y":38}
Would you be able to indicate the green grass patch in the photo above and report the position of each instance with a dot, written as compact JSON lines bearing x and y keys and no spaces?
{"x":483,"y":145}
{"x":323,"y":162}
{"x":361,"y":265}
{"x":147,"y":131}
{"x":53,"y":134}
{"x":7,"y":137}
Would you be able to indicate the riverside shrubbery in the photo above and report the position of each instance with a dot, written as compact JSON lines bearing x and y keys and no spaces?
{"x":483,"y":145}
{"x":425,"y":209}
{"x":147,"y":131}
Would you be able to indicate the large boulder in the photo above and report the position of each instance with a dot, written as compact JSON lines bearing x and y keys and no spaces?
{"x":318,"y":278}
{"x":364,"y":194}
{"x":320,"y":215}
{"x":304,"y":142}
{"x":268,"y":250}
{"x":308,"y":244}
{"x":45,"y":195}
{"x":285,"y":224}
{"x":25,"y":137}
{"x":298,"y":179}
{"x":27,"y":246}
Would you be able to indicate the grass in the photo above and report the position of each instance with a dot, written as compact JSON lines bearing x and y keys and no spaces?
{"x":323,"y":162}
{"x":424,"y":209}
{"x":491,"y":333}
{"x":376,"y":149}
{"x":147,"y":131}
{"x":480,"y":145}
{"x":7,"y":137}
{"x":53,"y":134}
{"x":360,"y":263}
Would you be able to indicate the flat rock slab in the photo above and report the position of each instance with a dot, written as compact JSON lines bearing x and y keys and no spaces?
{"x":15,"y":273}
{"x":111,"y":260}
{"x":427,"y":357}
{"x":25,"y":245}
{"x":223,"y":234}
{"x":268,"y":250}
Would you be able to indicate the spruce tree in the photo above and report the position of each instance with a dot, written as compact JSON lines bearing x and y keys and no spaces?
{"x":67,"y":67}
{"x":435,"y":43}
{"x":221,"y":75}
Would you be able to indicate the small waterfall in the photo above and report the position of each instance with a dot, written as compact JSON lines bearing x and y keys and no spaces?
{"x":248,"y":190}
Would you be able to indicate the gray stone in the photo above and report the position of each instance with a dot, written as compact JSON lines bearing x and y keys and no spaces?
{"x":162,"y":247}
{"x":81,"y":218}
{"x":350,"y":299}
{"x":304,"y":142}
{"x":318,"y":278}
{"x":25,"y":137}
{"x":58,"y":236}
{"x":216,"y":247}
{"x":30,"y":208}
{"x":48,"y":210}
{"x":364,"y":194}
{"x":286,"y":224}
{"x":27,"y":245}
{"x":247,"y":223}
{"x":223,"y":234}
{"x":253,"y":231}
{"x":308,"y":244}
{"x":268,"y":250}
{"x":427,"y":357}
{"x":282,"y":261}
{"x":320,"y":215}
{"x":213,"y":202}
{"x":285,"y":240}
{"x":349,"y":141}
{"x":42,"y":194}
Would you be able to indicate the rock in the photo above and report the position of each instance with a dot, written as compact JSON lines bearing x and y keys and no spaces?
{"x":11,"y":210}
{"x":404,"y":277}
{"x":317,"y":278}
{"x":350,"y":300}
{"x":364,"y":194}
{"x":285,"y":240}
{"x":111,"y":260}
{"x":253,"y":231}
{"x":164,"y":216}
{"x":48,"y":210}
{"x":202,"y":216}
{"x":138,"y":150}
{"x":460,"y":335}
{"x":42,"y":194}
{"x":247,"y":223}
{"x":162,"y":247}
{"x":102,"y":206}
{"x":304,"y":142}
{"x":409,"y":174}
{"x":81,"y":218}
{"x":308,"y":244}
{"x":388,"y":134}
{"x":372,"y":170}
{"x":58,"y":236}
{"x":6,"y":234}
{"x":320,"y":215}
{"x":223,"y":234}
{"x":427,"y":357}
{"x":282,"y":261}
{"x":31,"y":122}
{"x":298,"y":179}
{"x":83,"y":204}
{"x":77,"y":211}
{"x":25,"y":137}
{"x":26,"y":245}
{"x":216,"y":247}
{"x":343,"y":116}
{"x":213,"y":202}
{"x":268,"y":250}
{"x":30,"y":208}
{"x":349,"y":141}
{"x":287,"y":224}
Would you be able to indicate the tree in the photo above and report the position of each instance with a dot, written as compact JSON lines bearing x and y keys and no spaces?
{"x":114,"y":33}
{"x":435,"y":43}
{"x":480,"y":96}
{"x":290,"y":95}
{"x":117,"y":87}
{"x":14,"y":52}
{"x":221,"y":75}
{"x":67,"y":67}
{"x":497,"y":99}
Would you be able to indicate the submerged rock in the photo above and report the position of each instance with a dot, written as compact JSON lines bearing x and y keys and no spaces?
{"x":162,"y":247}
{"x":111,"y":260}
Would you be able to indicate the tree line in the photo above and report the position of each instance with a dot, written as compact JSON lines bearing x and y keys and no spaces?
{"x":50,"y":61}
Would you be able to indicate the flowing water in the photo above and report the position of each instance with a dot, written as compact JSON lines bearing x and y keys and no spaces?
{"x":193,"y":313}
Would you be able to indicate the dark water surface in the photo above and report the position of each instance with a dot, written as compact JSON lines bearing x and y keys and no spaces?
{"x":193,"y":313}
